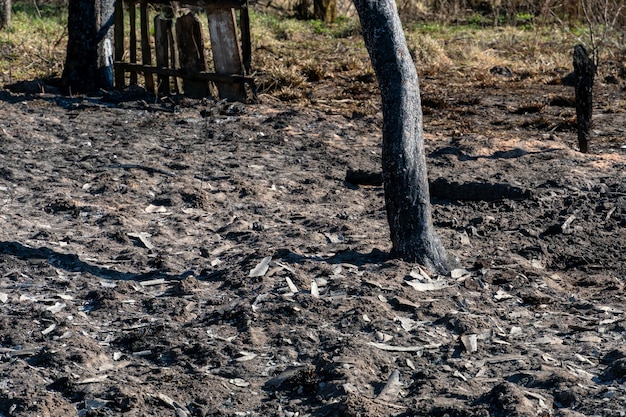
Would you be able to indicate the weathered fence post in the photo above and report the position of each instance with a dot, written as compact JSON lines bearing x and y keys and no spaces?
{"x":585,"y":70}
{"x":226,"y":51}
{"x":118,"y":39}
{"x":191,"y":54}
{"x":132,"y":13}
{"x":162,"y":33}
{"x":146,"y":56}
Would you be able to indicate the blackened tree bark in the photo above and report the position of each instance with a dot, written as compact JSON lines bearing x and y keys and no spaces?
{"x":89,"y":61}
{"x":407,"y":198}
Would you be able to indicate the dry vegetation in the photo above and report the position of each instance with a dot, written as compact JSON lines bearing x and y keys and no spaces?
{"x":34,"y":46}
{"x":291,"y":56}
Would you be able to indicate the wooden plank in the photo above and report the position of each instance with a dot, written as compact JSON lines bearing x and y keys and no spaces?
{"x":246,"y":43}
{"x":161,"y":28}
{"x":226,"y":51}
{"x":118,"y":39}
{"x":174,"y":59}
{"x":146,"y":57}
{"x":212,"y":4}
{"x":204,"y":76}
{"x":133,"y":39}
{"x":191,"y":54}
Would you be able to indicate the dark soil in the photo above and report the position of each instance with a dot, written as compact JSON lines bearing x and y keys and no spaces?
{"x":193,"y":258}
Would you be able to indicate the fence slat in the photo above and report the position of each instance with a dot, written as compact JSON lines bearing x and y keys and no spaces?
{"x":246,"y":42}
{"x":226,"y":51}
{"x":191,"y":54}
{"x":118,"y":38}
{"x":161,"y":28}
{"x":133,"y":39}
{"x":146,"y":57}
{"x":204,"y":76}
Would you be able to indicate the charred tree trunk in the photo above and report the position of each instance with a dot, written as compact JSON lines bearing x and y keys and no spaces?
{"x":585,"y":71}
{"x":89,"y":62}
{"x":407,"y":198}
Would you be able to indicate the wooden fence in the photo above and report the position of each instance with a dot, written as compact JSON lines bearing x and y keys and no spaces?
{"x":179,"y":52}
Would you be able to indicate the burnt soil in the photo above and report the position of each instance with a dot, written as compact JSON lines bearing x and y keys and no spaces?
{"x":179,"y":257}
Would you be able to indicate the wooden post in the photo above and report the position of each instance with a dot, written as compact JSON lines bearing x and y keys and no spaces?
{"x":244,"y":22}
{"x":146,"y":57}
{"x":162,"y":29}
{"x":174,"y":59}
{"x":118,"y":39}
{"x":585,"y":72}
{"x":226,"y":51}
{"x":191,"y":54}
{"x":132,"y":12}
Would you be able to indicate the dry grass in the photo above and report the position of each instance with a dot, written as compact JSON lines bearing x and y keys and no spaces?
{"x":295,"y":59}
{"x":532,"y":52}
{"x":34,"y":46}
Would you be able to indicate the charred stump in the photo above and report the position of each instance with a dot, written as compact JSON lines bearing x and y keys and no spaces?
{"x":585,"y":71}
{"x":407,"y":199}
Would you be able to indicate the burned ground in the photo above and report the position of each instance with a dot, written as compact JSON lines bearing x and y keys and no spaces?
{"x":198,"y":258}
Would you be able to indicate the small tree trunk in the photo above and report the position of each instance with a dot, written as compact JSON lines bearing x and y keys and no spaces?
{"x":407,"y":198}
{"x":325,"y":10}
{"x":585,"y":72}
{"x":5,"y":13}
{"x":89,"y":60}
